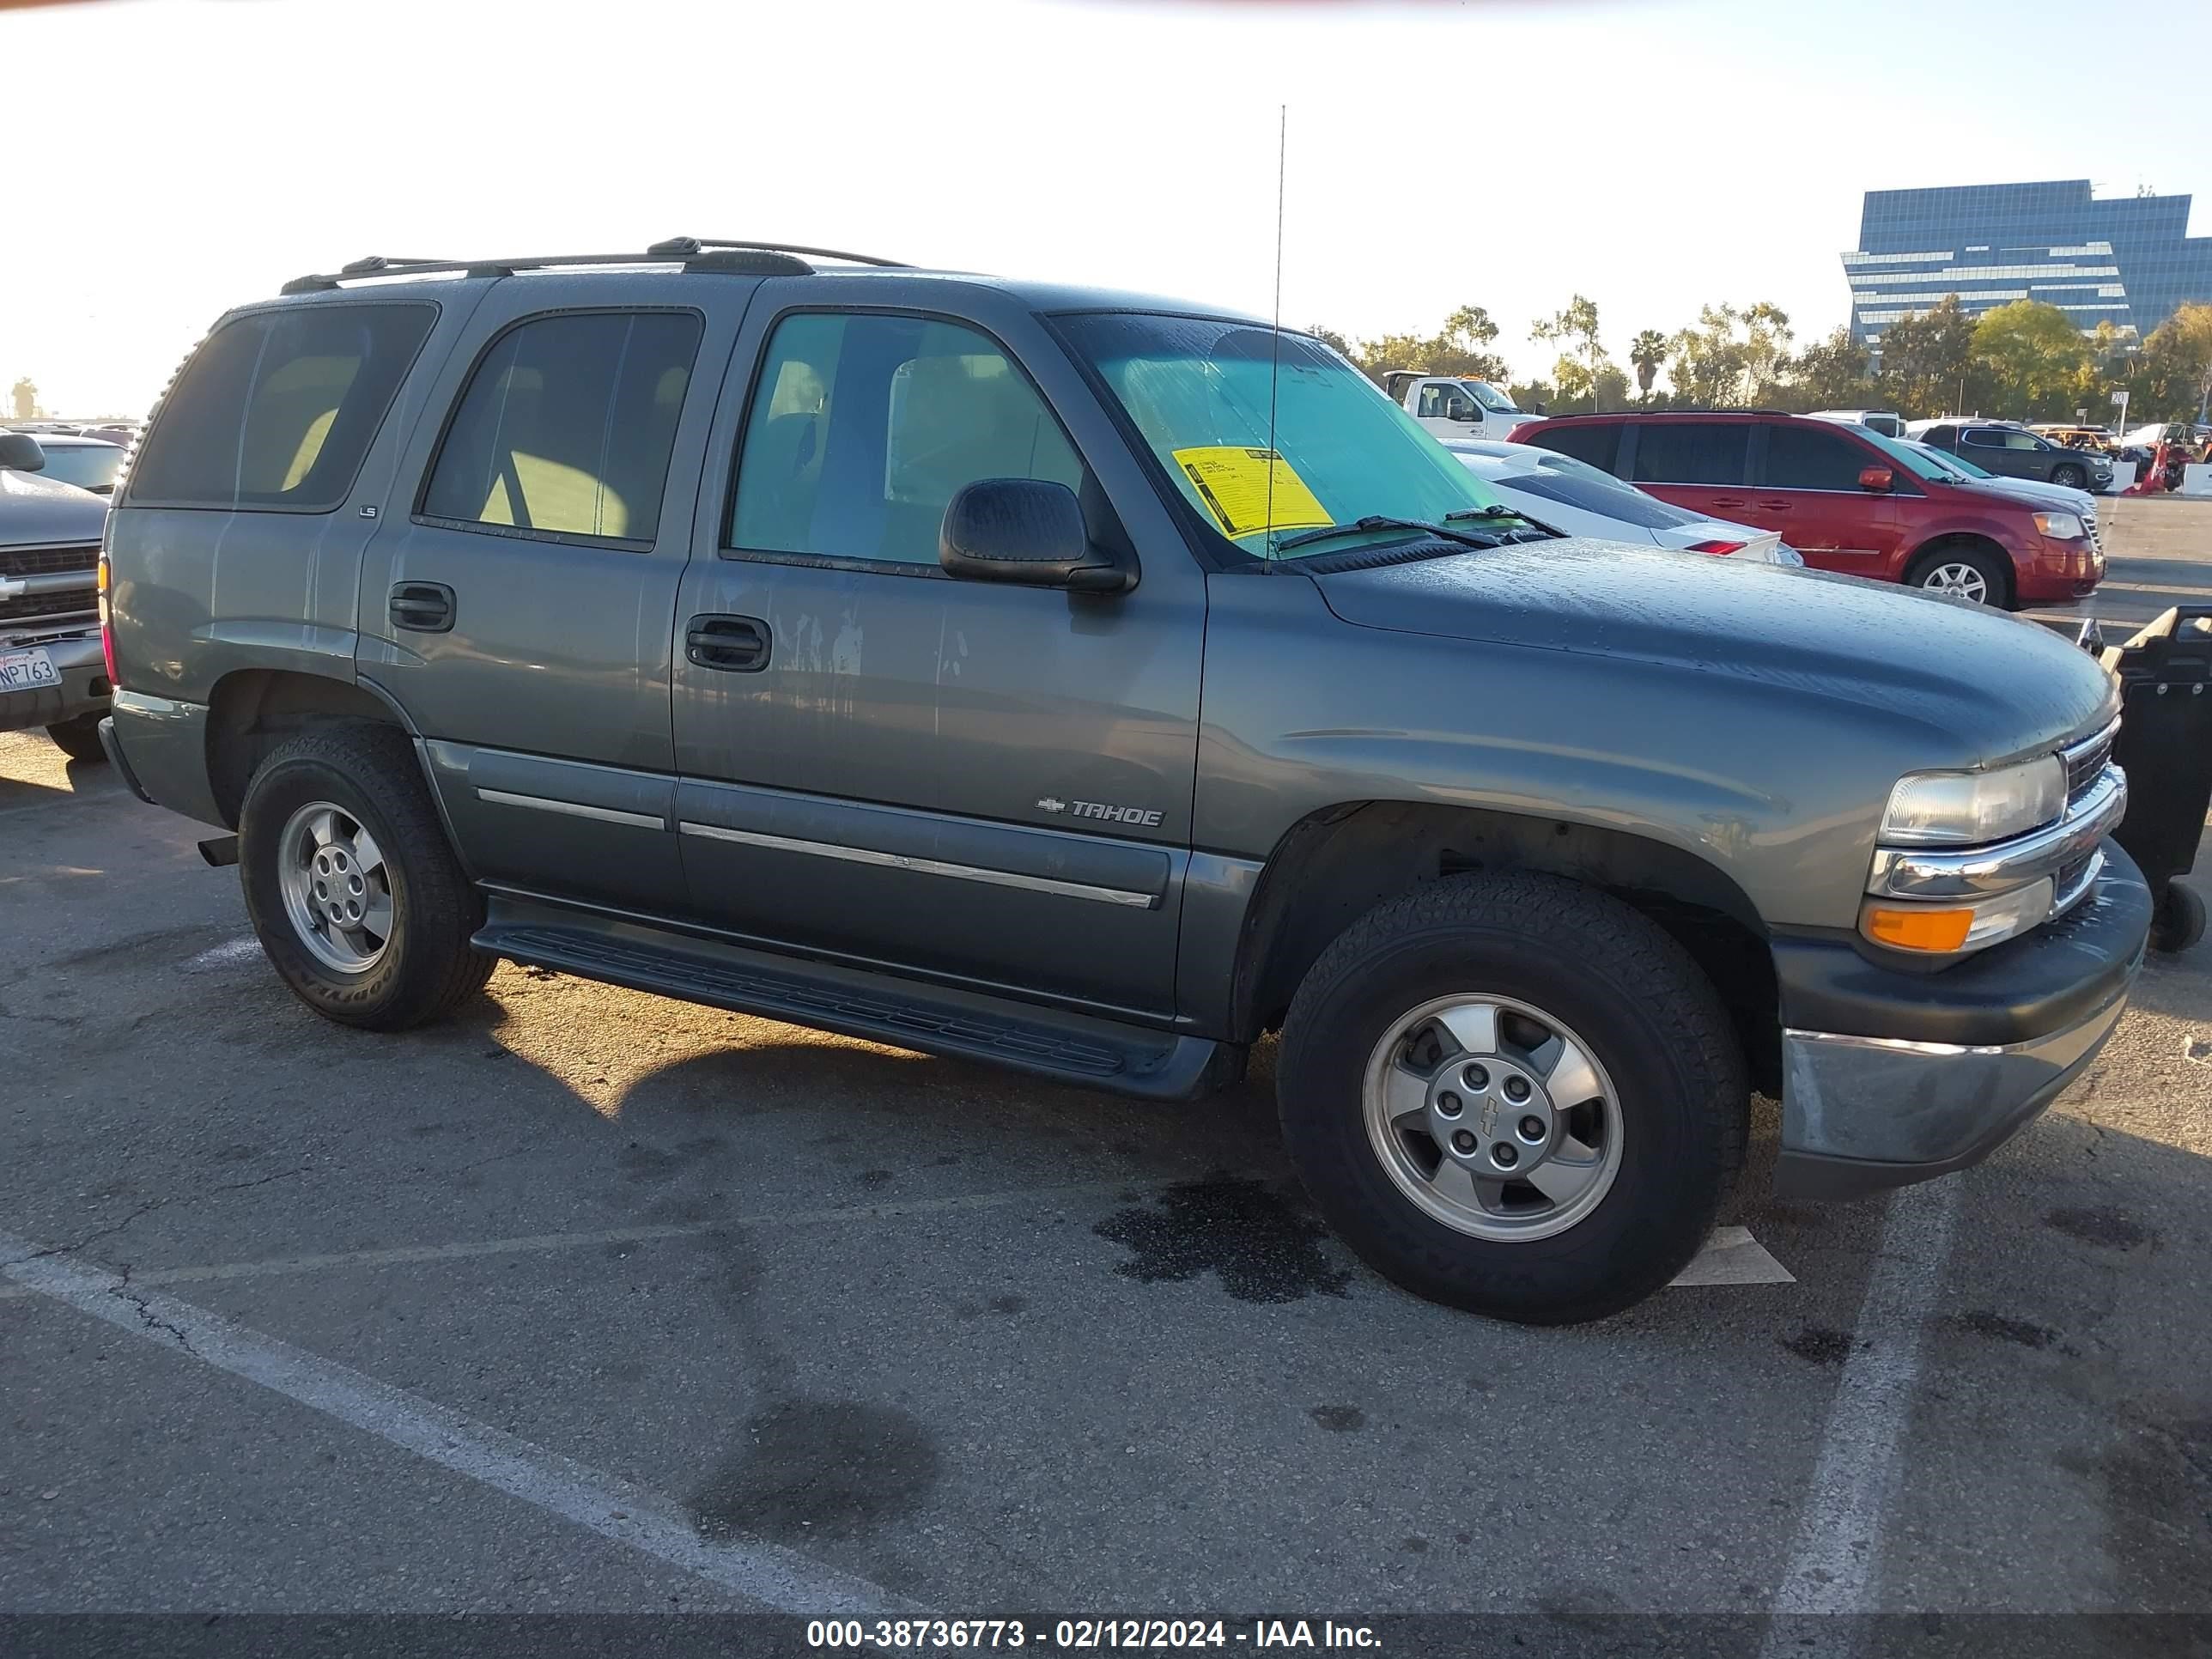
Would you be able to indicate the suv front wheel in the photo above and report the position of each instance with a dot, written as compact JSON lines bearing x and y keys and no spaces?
{"x":351,"y":885}
{"x":1513,"y":1095}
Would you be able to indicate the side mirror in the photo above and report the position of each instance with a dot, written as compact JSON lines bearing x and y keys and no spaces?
{"x":1027,"y":531}
{"x":1876,"y":477}
{"x":20,"y":452}
{"x":1540,"y":411}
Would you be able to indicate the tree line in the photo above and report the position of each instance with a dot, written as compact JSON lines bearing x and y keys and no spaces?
{"x":2025,"y":361}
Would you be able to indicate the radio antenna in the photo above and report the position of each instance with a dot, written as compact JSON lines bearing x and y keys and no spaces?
{"x":1275,"y":333}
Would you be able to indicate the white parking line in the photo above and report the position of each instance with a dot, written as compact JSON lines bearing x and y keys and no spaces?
{"x":230,"y":950}
{"x":1835,"y":1564}
{"x":535,"y":1243}
{"x":629,"y":1515}
{"x":1733,"y":1256}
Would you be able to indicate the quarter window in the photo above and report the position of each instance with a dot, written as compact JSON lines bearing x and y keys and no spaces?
{"x":1692,"y":451}
{"x":567,"y":426}
{"x":275,"y":411}
{"x":864,"y":427}
{"x":1801,"y":457}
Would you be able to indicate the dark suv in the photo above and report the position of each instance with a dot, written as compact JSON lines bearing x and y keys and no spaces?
{"x":1093,"y":684}
{"x":2014,"y":452}
{"x":1848,"y":499}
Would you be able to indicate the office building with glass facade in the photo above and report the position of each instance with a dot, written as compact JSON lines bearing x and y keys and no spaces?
{"x":2128,"y":261}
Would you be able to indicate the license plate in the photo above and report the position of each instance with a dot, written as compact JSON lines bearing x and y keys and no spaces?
{"x":25,"y":671}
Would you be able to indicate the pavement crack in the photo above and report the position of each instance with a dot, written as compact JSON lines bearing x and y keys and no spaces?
{"x":153,"y":1321}
{"x":76,"y":1247}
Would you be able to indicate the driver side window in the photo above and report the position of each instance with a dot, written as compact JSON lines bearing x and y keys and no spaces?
{"x":864,"y":427}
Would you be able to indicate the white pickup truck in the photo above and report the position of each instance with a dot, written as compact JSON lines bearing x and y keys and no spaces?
{"x":1451,"y":407}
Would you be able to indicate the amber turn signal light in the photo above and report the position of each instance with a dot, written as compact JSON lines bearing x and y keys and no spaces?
{"x":1936,"y":932}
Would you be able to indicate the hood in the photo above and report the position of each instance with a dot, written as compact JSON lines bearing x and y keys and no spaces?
{"x":2028,"y":489}
{"x":38,"y":511}
{"x":2000,"y":686}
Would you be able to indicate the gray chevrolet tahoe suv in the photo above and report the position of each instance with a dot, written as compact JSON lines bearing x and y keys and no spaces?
{"x":1094,"y":684}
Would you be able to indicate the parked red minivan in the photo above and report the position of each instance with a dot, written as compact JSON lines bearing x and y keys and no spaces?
{"x":1848,"y":499}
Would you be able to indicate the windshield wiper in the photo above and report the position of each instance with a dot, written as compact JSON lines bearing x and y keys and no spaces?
{"x":1377,"y":521}
{"x":1535,"y":531}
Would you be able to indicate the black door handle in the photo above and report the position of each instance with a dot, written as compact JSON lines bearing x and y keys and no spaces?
{"x":738,"y":644}
{"x":423,"y":607}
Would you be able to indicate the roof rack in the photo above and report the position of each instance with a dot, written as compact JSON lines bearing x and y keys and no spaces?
{"x":694,"y":253}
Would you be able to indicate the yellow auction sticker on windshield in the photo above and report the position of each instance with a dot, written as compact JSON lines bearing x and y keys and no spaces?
{"x":1234,"y":483}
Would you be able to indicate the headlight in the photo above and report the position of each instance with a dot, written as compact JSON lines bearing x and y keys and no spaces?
{"x":2060,"y":527}
{"x":1965,"y":809}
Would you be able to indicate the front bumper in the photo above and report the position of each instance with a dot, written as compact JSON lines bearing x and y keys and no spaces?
{"x":84,"y":691}
{"x":1890,"y":1077}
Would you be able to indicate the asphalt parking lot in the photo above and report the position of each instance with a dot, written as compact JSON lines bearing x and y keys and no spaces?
{"x":590,"y":1301}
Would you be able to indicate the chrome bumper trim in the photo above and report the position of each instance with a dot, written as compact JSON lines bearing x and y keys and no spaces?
{"x":1986,"y":871}
{"x":1887,"y":1100}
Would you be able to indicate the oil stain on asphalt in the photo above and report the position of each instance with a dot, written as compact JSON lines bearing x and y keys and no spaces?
{"x":1262,"y":1247}
{"x":818,"y":1469}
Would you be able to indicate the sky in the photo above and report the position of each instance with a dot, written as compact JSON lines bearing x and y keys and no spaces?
{"x":176,"y":157}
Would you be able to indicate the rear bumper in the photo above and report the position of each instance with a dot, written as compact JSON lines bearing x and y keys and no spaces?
{"x":161,"y":746}
{"x":1891,"y":1078}
{"x":84,"y":691}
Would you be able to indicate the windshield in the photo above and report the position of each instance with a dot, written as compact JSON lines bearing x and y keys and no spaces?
{"x":1198,"y":391}
{"x":1911,"y":459}
{"x":1489,"y":397}
{"x":88,"y":466}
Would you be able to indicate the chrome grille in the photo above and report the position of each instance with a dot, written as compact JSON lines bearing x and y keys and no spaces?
{"x":2087,"y":759}
{"x":51,"y":607}
{"x":2089,"y":525}
{"x":45,"y":561}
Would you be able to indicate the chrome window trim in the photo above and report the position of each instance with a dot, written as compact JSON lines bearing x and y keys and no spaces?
{"x":923,"y":866}
{"x":1986,"y":871}
{"x":574,"y":809}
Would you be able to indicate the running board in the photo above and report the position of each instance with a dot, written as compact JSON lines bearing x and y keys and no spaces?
{"x":1077,"y":1049}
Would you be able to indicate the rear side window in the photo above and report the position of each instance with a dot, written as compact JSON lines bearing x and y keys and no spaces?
{"x":567,"y":426}
{"x":1595,"y":492}
{"x":1692,"y":451}
{"x":864,"y":427}
{"x":1596,"y":442}
{"x":276,"y":410}
{"x":1806,"y":457}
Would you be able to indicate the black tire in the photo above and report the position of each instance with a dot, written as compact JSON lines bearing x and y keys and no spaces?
{"x":2179,"y":922}
{"x":1995,"y":569}
{"x":80,"y":739}
{"x":2070,"y":477}
{"x":427,"y":966}
{"x":1636,"y":999}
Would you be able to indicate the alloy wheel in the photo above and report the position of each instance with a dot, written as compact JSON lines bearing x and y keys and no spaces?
{"x":337,"y":892}
{"x":1492,"y":1117}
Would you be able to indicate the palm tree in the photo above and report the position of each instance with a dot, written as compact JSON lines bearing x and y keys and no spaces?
{"x":1645,"y":353}
{"x":26,"y":394}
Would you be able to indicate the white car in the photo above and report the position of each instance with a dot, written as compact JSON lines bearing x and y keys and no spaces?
{"x":1575,"y":497}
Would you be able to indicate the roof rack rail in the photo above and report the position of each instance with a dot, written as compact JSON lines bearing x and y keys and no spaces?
{"x":696,"y":253}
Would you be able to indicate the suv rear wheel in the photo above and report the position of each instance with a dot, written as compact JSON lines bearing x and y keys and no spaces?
{"x":1973,"y":574}
{"x":350,"y":885}
{"x":1513,"y":1095}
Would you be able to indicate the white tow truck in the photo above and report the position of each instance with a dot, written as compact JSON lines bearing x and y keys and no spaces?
{"x":1451,"y":406}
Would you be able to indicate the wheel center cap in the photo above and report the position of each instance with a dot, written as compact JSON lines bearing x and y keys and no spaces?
{"x":1490,"y":1116}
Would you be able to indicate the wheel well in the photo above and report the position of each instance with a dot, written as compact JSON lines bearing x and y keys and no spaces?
{"x":1335,"y":865}
{"x":1963,"y":541}
{"x":251,"y":712}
